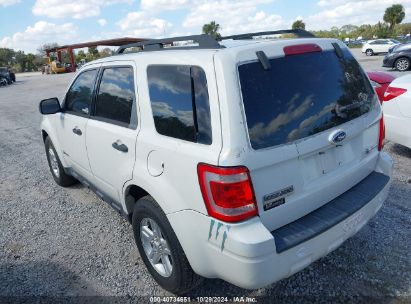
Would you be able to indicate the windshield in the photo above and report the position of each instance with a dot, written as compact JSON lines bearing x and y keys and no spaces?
{"x":302,"y":95}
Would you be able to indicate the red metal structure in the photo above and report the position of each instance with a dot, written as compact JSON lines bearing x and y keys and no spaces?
{"x":69,"y":48}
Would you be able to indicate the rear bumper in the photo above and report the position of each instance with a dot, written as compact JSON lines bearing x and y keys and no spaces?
{"x":329,"y":215}
{"x":248,"y":255}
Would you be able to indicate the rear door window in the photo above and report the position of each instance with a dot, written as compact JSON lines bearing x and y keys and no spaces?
{"x":179,"y":101}
{"x":302,"y":95}
{"x":116,"y":101}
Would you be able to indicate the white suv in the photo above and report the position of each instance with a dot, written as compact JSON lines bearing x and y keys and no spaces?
{"x":243,"y":159}
{"x":378,"y":46}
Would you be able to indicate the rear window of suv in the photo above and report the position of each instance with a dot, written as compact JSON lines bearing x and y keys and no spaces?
{"x":302,"y":95}
{"x":179,"y":100}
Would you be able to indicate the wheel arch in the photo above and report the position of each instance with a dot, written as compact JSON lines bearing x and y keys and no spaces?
{"x":132,"y":194}
{"x":164,"y":194}
{"x":44,"y":135}
{"x":47,"y":130}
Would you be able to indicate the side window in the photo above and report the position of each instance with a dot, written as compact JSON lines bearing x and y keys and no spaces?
{"x":180,"y":103}
{"x":79,"y":96}
{"x":116,"y":101}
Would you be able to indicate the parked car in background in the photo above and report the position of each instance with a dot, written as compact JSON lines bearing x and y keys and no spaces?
{"x":5,"y":73}
{"x":3,"y":81}
{"x":380,"y":81}
{"x":398,"y":57}
{"x":378,"y":46}
{"x":12,"y":75}
{"x":354,"y":43}
{"x":397,"y":111}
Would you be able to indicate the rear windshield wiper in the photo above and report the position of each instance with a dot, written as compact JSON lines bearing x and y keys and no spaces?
{"x":356,"y":104}
{"x":340,"y":111}
{"x":262,"y":57}
{"x":337,"y":50}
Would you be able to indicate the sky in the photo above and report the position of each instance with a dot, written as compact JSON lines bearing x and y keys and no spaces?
{"x":27,"y":24}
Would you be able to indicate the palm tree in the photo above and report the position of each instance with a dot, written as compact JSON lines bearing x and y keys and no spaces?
{"x":394,"y":15}
{"x":212,"y":29}
{"x":298,"y":25}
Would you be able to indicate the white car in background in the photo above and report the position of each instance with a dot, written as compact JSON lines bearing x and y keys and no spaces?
{"x":397,"y":111}
{"x":378,"y":46}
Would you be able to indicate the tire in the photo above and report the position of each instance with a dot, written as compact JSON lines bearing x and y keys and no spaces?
{"x":369,"y":52}
{"x":402,"y":64}
{"x":180,"y":278}
{"x":56,"y":168}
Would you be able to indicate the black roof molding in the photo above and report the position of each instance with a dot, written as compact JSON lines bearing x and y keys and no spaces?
{"x":204,"y":41}
{"x":298,"y":32}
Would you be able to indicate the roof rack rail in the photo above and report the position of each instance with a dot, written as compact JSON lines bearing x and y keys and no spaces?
{"x":298,"y":32}
{"x":204,"y":42}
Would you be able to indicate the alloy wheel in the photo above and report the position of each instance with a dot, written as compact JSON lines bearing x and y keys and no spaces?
{"x":402,"y":65}
{"x":54,"y":163}
{"x":156,"y":247}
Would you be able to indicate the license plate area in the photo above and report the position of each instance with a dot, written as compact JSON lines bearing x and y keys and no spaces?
{"x":326,"y":161}
{"x":354,"y":223}
{"x":331,"y":159}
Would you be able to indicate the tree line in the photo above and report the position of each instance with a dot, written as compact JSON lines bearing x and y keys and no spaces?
{"x":390,"y":27}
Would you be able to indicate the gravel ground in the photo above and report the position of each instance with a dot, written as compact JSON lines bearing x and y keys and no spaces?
{"x":67,"y":242}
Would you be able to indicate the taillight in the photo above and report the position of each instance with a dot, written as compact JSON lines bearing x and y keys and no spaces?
{"x":227,"y":192}
{"x":381,"y":138}
{"x":393,"y":92}
{"x":301,"y":49}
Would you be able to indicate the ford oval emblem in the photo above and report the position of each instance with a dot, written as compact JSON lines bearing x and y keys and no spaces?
{"x":338,"y":137}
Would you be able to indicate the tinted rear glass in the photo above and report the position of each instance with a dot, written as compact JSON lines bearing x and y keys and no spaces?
{"x":302,"y":95}
{"x":116,"y":97}
{"x":179,"y":100}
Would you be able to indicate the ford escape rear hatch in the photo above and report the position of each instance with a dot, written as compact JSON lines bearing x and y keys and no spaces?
{"x":312,"y":119}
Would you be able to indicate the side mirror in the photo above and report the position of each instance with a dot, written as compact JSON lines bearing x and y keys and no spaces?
{"x":49,"y":106}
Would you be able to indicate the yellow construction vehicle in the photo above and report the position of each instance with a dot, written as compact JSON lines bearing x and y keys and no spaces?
{"x":56,"y":67}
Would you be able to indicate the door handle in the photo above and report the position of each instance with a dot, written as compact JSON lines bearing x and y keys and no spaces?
{"x":77,"y":131}
{"x":120,"y":146}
